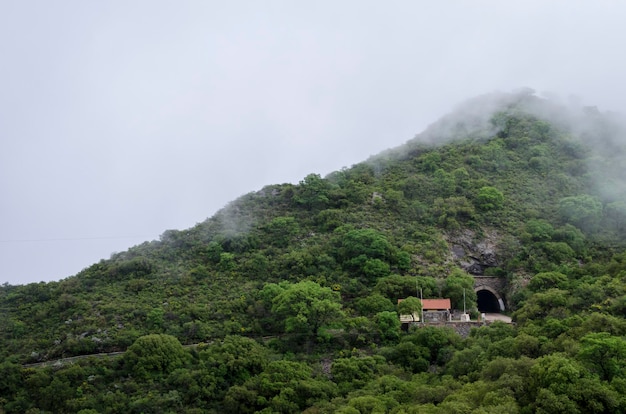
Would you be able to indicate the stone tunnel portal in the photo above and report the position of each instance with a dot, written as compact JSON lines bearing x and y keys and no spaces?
{"x":488,"y":301}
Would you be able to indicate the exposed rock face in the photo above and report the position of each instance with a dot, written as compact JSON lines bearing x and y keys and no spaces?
{"x":476,"y":269}
{"x":474,"y":253}
{"x":489,"y":259}
{"x":458,"y":251}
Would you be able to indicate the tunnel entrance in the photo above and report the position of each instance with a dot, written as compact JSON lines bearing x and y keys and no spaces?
{"x":487,"y":302}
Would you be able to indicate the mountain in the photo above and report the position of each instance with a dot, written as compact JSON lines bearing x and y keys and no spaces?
{"x":286,"y":299}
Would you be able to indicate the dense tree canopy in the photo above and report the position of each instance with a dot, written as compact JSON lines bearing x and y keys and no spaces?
{"x":410,"y":306}
{"x":286,"y":300}
{"x":155,"y":354}
{"x":306,"y":306}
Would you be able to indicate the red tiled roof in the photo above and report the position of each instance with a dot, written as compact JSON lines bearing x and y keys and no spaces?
{"x":432,"y":304}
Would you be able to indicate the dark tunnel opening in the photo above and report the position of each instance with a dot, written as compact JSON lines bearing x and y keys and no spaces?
{"x":487,"y":302}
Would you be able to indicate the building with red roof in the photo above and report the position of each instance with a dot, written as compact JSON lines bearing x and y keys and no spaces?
{"x":436,"y":304}
{"x":433,"y":310}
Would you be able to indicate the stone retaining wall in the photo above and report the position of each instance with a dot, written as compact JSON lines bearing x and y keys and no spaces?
{"x":462,"y":328}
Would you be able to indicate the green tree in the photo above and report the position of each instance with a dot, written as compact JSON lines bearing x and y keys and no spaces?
{"x":365,"y":404}
{"x":489,"y":198}
{"x":604,"y":354}
{"x":10,"y":378}
{"x":543,"y":304}
{"x":462,"y":178}
{"x":373,"y":304}
{"x":547,"y":280}
{"x":561,"y":384}
{"x":469,"y":361}
{"x":155,"y":320}
{"x":410,"y":306}
{"x":430,"y":161}
{"x":367,"y":252}
{"x":330,"y":219}
{"x":235,"y":359}
{"x":557,"y":252}
{"x":375,"y":268}
{"x":281,"y":230}
{"x":213,"y":251}
{"x":312,"y":192}
{"x":438,"y":340}
{"x":388,"y":325}
{"x":556,"y":372}
{"x":397,"y":287}
{"x":306,"y":306}
{"x":155,"y":355}
{"x":394,"y":200}
{"x":539,"y":230}
{"x":367,"y":242}
{"x":354,"y":372}
{"x":616,"y":213}
{"x":408,"y":355}
{"x":452,"y":210}
{"x":459,"y":288}
{"x":445,"y":183}
{"x":227,"y":261}
{"x":283,"y":386}
{"x":583,"y":210}
{"x":572,"y":236}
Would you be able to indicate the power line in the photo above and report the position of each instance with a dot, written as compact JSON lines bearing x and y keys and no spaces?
{"x":72,"y":239}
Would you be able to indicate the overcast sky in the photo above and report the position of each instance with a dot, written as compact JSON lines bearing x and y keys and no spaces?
{"x":122,"y":119}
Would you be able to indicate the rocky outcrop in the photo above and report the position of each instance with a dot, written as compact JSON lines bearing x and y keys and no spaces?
{"x":474,"y":253}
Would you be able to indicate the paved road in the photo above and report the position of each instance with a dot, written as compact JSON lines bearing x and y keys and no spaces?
{"x":497,"y":317}
{"x":61,"y":361}
{"x":70,"y":360}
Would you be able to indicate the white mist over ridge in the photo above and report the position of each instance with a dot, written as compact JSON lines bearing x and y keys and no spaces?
{"x":601,"y":136}
{"x":130,"y":118}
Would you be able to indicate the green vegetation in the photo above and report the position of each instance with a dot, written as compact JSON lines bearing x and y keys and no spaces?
{"x":287,"y":299}
{"x":410,"y":306}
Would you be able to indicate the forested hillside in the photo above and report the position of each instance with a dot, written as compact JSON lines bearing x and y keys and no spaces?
{"x":287,"y":297}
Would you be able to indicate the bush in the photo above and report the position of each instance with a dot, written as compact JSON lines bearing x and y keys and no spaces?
{"x":155,"y":355}
{"x":489,"y":198}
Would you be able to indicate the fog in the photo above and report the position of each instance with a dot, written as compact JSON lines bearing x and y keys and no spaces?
{"x":120,"y":120}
